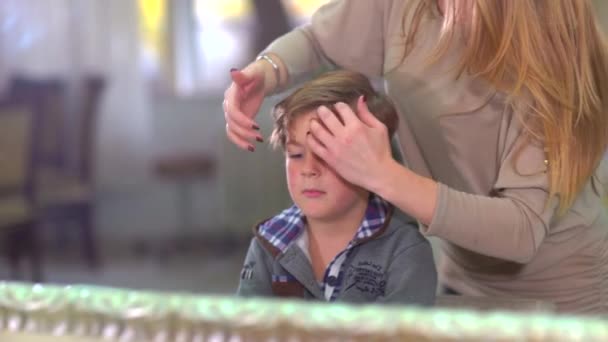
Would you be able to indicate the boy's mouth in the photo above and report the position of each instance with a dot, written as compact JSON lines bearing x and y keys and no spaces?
{"x":313,"y":193}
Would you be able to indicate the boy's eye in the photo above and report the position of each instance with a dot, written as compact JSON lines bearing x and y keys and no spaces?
{"x":294,"y":155}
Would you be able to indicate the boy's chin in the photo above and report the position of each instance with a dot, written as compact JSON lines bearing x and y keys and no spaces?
{"x":320,"y":214}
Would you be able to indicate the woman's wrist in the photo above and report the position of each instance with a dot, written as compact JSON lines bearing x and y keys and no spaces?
{"x":414,"y":194}
{"x":273,"y":71}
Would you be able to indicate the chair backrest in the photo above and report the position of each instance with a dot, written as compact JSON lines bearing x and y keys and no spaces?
{"x":47,"y":98}
{"x":15,"y":147}
{"x":92,"y":88}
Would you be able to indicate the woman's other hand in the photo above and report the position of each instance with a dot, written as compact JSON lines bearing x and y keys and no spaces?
{"x":242,"y":101}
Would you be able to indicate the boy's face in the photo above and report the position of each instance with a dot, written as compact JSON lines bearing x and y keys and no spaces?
{"x":314,"y":187}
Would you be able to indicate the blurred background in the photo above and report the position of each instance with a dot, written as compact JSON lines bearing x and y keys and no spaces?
{"x":114,"y":166}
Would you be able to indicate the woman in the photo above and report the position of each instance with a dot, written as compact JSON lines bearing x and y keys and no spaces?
{"x":503,"y":129}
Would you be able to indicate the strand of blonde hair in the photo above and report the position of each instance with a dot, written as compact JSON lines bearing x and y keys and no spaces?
{"x":550,"y":57}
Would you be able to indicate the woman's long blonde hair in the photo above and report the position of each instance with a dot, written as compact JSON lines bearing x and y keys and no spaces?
{"x":550,"y":56}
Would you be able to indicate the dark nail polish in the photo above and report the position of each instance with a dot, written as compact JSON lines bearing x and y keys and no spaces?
{"x":256,"y":127}
{"x":364,"y":98}
{"x":233,"y":69}
{"x":260,"y":139}
{"x":250,"y":148}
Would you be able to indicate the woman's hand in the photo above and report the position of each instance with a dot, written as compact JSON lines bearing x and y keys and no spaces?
{"x":242,"y":101}
{"x":358,"y":150}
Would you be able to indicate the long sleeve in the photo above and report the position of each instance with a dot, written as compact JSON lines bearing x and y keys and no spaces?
{"x":343,"y":33}
{"x":255,"y":278}
{"x":510,"y":225}
{"x":412,"y":278}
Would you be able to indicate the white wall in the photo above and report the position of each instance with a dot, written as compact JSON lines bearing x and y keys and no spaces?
{"x":110,"y":41}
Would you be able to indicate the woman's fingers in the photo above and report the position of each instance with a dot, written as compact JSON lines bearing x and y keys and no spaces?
{"x":232,"y":114}
{"x":320,"y":133}
{"x":246,"y":133}
{"x":239,"y":78}
{"x":365,"y":115}
{"x":245,"y":83}
{"x":330,"y":120}
{"x":240,"y":126}
{"x":316,"y":146}
{"x":238,"y":141}
{"x":242,"y":101}
{"x":241,"y":129}
{"x":346,"y":113}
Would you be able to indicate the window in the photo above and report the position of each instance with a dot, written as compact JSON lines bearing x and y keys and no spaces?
{"x":192,"y":44}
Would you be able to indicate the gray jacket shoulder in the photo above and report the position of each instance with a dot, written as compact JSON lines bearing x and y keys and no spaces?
{"x":403,"y":232}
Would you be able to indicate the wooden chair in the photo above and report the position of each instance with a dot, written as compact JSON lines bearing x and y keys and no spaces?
{"x":18,"y":219}
{"x":64,"y":194}
{"x":47,"y":98}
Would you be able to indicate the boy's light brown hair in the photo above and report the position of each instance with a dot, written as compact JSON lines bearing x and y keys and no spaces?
{"x":326,"y":90}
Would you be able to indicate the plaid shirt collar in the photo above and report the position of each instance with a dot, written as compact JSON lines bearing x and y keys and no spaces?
{"x":281,"y":230}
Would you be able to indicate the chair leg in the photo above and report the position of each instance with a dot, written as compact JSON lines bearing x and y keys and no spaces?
{"x":35,"y":249}
{"x":86,"y":223}
{"x":13,"y":245}
{"x":24,"y":241}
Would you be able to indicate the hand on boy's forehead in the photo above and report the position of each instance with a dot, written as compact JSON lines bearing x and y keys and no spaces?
{"x":300,"y":127}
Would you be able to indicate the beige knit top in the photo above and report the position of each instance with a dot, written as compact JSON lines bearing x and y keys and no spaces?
{"x":500,"y":237}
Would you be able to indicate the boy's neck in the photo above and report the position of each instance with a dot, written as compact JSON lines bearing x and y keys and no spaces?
{"x":327,"y":238}
{"x":338,"y":228}
{"x":345,"y":224}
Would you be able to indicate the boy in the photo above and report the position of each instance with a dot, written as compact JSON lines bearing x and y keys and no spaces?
{"x":339,"y":241}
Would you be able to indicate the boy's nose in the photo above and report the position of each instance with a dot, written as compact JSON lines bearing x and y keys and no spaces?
{"x":311,"y":167}
{"x":310,"y":173}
